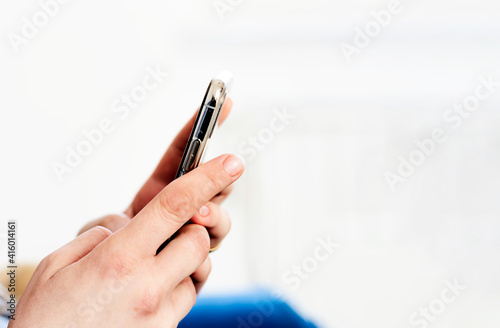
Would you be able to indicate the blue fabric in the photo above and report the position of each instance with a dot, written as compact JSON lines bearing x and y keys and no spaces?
{"x":257,"y":309}
{"x":4,"y":322}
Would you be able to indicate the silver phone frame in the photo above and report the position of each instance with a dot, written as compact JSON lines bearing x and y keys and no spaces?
{"x":212,"y":105}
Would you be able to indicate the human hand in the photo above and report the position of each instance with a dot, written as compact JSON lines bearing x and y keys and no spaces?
{"x":212,"y":215}
{"x":117,"y":280}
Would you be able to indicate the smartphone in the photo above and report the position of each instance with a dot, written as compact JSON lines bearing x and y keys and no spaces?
{"x":206,"y":122}
{"x":203,"y":128}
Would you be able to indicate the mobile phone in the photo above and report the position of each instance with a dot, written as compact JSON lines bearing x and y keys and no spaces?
{"x":203,"y":128}
{"x":206,"y":122}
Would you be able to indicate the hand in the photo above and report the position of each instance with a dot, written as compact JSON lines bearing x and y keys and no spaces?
{"x":212,"y":216}
{"x":102,"y":279}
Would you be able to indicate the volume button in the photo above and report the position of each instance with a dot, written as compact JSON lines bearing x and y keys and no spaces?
{"x":191,"y":155}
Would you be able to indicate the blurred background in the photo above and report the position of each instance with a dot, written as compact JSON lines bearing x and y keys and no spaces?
{"x":330,"y":98}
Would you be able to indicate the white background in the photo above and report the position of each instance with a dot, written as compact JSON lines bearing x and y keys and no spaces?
{"x":321,"y":177}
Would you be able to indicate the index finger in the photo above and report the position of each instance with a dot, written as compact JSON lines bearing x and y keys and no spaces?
{"x":177,"y":203}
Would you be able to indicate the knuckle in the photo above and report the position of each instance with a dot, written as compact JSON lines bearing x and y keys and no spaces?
{"x":199,"y":238}
{"x":110,"y":221}
{"x":209,"y":267}
{"x":215,"y":184}
{"x":149,"y":302}
{"x":178,"y":203}
{"x":190,"y":291}
{"x":49,"y":261}
{"x":116,"y":263}
{"x":224,"y":220}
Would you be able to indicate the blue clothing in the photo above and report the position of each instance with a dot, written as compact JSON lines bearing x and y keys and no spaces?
{"x":257,"y":309}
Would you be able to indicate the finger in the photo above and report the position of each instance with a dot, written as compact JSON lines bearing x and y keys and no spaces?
{"x":167,"y":168}
{"x":177,"y":203}
{"x":183,"y":255}
{"x":112,"y":222}
{"x":183,"y":298}
{"x":215,"y":219}
{"x":74,"y":250}
{"x":220,"y":197}
{"x":201,"y":274}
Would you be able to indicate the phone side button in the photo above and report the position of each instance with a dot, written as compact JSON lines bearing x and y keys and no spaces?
{"x":191,"y":155}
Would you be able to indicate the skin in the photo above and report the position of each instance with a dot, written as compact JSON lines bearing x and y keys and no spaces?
{"x":110,"y":275}
{"x":217,"y":221}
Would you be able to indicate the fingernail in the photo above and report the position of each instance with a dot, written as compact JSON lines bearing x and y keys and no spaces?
{"x":204,"y":211}
{"x":233,"y":165}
